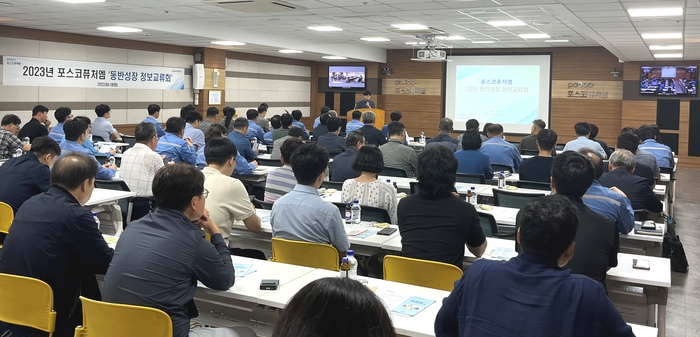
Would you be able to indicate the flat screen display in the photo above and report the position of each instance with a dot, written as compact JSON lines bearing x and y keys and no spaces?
{"x":669,"y":80}
{"x":347,"y":77}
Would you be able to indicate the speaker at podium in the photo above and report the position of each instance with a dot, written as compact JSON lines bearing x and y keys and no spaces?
{"x":378,"y":121}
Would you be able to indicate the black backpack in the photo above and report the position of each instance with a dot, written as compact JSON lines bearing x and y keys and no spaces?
{"x":673,"y":248}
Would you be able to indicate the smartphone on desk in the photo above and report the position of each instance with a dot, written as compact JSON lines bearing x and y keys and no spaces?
{"x":387,"y":231}
{"x":269,"y":284}
{"x":640,"y":264}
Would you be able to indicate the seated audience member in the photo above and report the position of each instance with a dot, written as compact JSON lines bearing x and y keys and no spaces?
{"x":238,"y":136}
{"x":366,"y":102}
{"x":435,"y":224}
{"x":262,"y":122}
{"x":185,"y":109}
{"x":173,"y":146}
{"x":54,"y":238}
{"x":243,"y":167}
{"x":286,"y":120}
{"x":139,"y":166}
{"x":229,"y":116}
{"x":367,"y":189}
{"x":485,"y":132}
{"x":443,"y":138}
{"x":396,"y":155}
{"x":469,"y":159}
{"x":317,"y":121}
{"x":153,"y":114}
{"x":253,"y":129}
{"x":663,"y":153}
{"x":372,"y":135}
{"x":608,"y":202}
{"x":8,"y":137}
{"x":276,"y":124}
{"x":539,"y":167}
{"x":395,"y":116}
{"x":355,"y":123}
{"x":38,"y":126}
{"x":88,"y":142}
{"x":630,"y":142}
{"x":583,"y":130}
{"x":192,"y":131}
{"x":301,"y":214}
{"x":529,"y":142}
{"x":639,"y":192}
{"x":346,"y":307}
{"x":28,"y":175}
{"x":76,"y":133}
{"x":101,"y":127}
{"x":535,"y":295}
{"x":228,"y":199}
{"x":341,"y":167}
{"x":147,"y":270}
{"x":62,"y":115}
{"x":472,"y":125}
{"x":604,"y":145}
{"x":211,"y":118}
{"x":280,"y":181}
{"x":322,"y":129}
{"x":331,"y":141}
{"x":597,"y":238}
{"x":296,"y":114}
{"x":499,"y":150}
{"x":297,"y":134}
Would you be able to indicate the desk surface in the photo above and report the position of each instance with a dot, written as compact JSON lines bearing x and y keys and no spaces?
{"x":644,"y":331}
{"x":102,"y":196}
{"x":488,"y":191}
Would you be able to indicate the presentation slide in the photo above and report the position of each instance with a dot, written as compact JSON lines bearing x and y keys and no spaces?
{"x":509,"y":90}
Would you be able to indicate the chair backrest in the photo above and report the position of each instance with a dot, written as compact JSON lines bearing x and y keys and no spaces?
{"x":471,"y":178}
{"x":27,"y":302}
{"x":131,"y":140}
{"x":666,"y":170}
{"x":640,"y":215}
{"x":260,"y":204}
{"x":308,"y":254}
{"x":488,"y":224}
{"x":534,"y":185}
{"x":102,"y":319}
{"x":125,"y":204}
{"x":368,"y":213}
{"x":338,"y":185}
{"x":530,"y":152}
{"x":394,"y":172}
{"x":505,"y":198}
{"x":559,"y":147}
{"x":7,"y":215}
{"x":499,"y":167}
{"x":422,"y":273}
{"x":97,"y":138}
{"x":414,"y":187}
{"x":269,"y":162}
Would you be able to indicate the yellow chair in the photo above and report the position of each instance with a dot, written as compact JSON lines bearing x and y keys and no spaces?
{"x":7,"y":215}
{"x":102,"y":319}
{"x":27,"y":302}
{"x":308,"y":254}
{"x":422,"y":273}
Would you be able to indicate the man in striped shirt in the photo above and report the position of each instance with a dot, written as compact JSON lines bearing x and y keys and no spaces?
{"x":281,"y":181}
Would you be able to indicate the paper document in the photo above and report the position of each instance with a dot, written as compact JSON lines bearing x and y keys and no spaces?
{"x":501,"y":253}
{"x":242,"y":269}
{"x":403,"y":304}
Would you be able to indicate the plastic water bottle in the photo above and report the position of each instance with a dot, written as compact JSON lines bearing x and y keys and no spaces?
{"x":422,"y":137}
{"x":111,"y":160}
{"x":348,"y":213}
{"x":473,"y":198}
{"x":327,"y":174}
{"x":345,"y":267}
{"x":97,"y":220}
{"x":18,"y":152}
{"x":502,"y":180}
{"x":353,"y":264}
{"x":356,"y":212}
{"x":25,"y":141}
{"x":255,"y":143}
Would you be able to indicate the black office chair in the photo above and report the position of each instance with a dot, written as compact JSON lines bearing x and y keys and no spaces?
{"x":97,"y":139}
{"x":260,"y":204}
{"x":338,"y":185}
{"x":414,"y":187}
{"x":640,"y":215}
{"x":530,"y":152}
{"x":490,"y":227}
{"x":497,"y":168}
{"x":471,"y":178}
{"x":368,"y":213}
{"x":269,"y":162}
{"x":559,"y":147}
{"x":534,"y":185}
{"x":506,"y":198}
{"x":131,"y":140}
{"x":394,"y":172}
{"x":666,"y":170}
{"x":125,"y":204}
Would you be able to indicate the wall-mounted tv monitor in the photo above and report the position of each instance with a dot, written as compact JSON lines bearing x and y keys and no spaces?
{"x":669,"y":80}
{"x":346,"y":77}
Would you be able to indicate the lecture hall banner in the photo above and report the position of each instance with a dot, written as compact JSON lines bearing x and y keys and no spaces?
{"x":40,"y":72}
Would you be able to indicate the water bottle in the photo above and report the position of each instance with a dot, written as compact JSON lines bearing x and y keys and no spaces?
{"x":502,"y":180}
{"x":473,"y":199}
{"x":422,"y":137}
{"x":18,"y":152}
{"x":25,"y":141}
{"x":97,"y":220}
{"x":255,"y":143}
{"x":356,"y":212}
{"x":327,"y":174}
{"x":469,"y":196}
{"x":111,"y":160}
{"x":348,"y":213}
{"x":353,"y":264}
{"x":345,"y":267}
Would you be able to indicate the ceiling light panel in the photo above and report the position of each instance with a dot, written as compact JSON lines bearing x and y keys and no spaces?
{"x":409,"y":26}
{"x":335,"y":57}
{"x":668,"y":56}
{"x":669,"y":47}
{"x":228,"y":43}
{"x":659,"y":36}
{"x":375,"y":39}
{"x":509,"y":23}
{"x":290,"y":51}
{"x":655,"y":12}
{"x":325,"y":28}
{"x":120,"y":29}
{"x":534,"y":36}
{"x":81,"y":1}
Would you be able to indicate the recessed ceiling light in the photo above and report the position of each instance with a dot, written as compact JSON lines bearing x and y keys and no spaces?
{"x":228,"y":43}
{"x":671,"y":47}
{"x":413,"y":43}
{"x":541,"y":23}
{"x":450,"y":38}
{"x":335,"y":57}
{"x":668,"y":55}
{"x":642,"y":12}
{"x":375,"y":39}
{"x":409,"y":26}
{"x":325,"y":28}
{"x":509,"y":23}
{"x":120,"y":29}
{"x":482,"y":41}
{"x":534,"y":36}
{"x":556,"y":41}
{"x":657,"y":36}
{"x":81,"y":1}
{"x":290,"y":51}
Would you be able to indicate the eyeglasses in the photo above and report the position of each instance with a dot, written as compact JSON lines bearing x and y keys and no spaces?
{"x":205,"y":193}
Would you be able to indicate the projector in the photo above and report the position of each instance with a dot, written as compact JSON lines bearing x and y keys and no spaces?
{"x":430,"y":55}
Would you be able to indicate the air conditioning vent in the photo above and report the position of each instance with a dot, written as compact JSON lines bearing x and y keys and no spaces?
{"x":255,"y":6}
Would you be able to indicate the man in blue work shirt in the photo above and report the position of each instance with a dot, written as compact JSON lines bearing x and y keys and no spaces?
{"x":531,"y":293}
{"x":254,"y":130}
{"x":443,"y":138}
{"x":193,"y":119}
{"x":153,"y":114}
{"x":296,"y":114}
{"x":243,"y":167}
{"x":240,"y":128}
{"x":62,"y":115}
{"x":663,"y":153}
{"x":583,"y":130}
{"x":355,"y":123}
{"x":317,"y":121}
{"x":76,"y":133}
{"x":173,"y":146}
{"x":608,"y":202}
{"x":500,"y":151}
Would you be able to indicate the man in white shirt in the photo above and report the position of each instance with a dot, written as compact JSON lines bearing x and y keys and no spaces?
{"x":583,"y":129}
{"x":192,"y":131}
{"x":139,"y":166}
{"x":228,"y":199}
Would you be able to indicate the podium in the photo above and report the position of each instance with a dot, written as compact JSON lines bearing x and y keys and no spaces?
{"x":378,"y":121}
